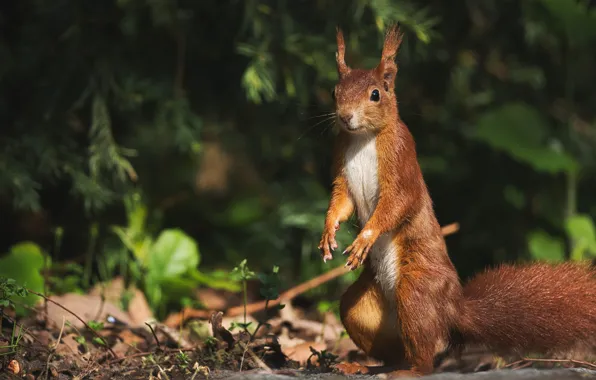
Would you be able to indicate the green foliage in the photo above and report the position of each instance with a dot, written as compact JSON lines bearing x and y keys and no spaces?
{"x":325,"y":359}
{"x":520,"y":131}
{"x":9,"y":289}
{"x":575,"y":19}
{"x":242,"y":272}
{"x":270,"y":284}
{"x":169,"y":262}
{"x":582,"y":233}
{"x":15,"y":337}
{"x":22,"y":266}
{"x":107,"y":98}
{"x":95,"y":325}
{"x":542,"y":246}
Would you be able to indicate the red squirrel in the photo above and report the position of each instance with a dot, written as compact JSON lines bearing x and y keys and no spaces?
{"x":408,"y":305}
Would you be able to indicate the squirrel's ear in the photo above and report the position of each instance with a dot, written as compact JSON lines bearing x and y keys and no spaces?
{"x":340,"y":56}
{"x":387,"y":68}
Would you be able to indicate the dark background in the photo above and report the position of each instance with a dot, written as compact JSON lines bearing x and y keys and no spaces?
{"x":212,"y":112}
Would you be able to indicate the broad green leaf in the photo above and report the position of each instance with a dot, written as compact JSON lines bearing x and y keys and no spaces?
{"x":214,"y":282}
{"x":581,"y":227}
{"x":24,"y":263}
{"x":542,"y":246}
{"x":521,"y":131}
{"x":582,"y":232}
{"x":173,"y":254}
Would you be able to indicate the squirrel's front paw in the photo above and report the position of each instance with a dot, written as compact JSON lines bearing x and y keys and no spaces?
{"x":328,"y":242}
{"x":359,"y":250}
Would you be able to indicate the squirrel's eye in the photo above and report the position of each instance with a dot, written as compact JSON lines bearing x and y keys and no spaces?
{"x":374,"y":96}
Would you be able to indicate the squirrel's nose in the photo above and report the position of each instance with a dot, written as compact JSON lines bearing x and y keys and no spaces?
{"x":345,"y":118}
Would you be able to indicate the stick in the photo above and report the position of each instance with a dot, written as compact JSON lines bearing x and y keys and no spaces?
{"x":178,"y":318}
{"x":77,"y":317}
{"x":154,"y":336}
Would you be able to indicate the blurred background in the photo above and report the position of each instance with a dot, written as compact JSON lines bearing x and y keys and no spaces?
{"x":164,"y":141}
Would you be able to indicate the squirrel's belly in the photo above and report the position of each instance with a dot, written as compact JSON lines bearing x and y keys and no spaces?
{"x":361,"y":170}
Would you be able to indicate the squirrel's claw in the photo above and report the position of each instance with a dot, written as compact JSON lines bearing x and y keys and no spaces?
{"x":358,"y":253}
{"x":328,"y":244}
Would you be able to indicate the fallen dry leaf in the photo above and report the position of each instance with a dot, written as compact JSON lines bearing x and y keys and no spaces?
{"x":301,"y":352}
{"x":86,"y":307}
{"x":68,"y":347}
{"x":138,"y":307}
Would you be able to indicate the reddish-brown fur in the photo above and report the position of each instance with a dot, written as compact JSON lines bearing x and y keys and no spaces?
{"x":538,"y":307}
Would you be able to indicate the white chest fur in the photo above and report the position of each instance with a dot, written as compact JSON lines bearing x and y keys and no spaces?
{"x":361,"y":170}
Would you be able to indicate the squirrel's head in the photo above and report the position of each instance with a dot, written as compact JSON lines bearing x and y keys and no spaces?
{"x":364,"y":99}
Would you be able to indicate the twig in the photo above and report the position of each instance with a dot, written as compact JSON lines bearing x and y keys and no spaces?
{"x":260,"y":324}
{"x":102,"y":301}
{"x":77,"y":317}
{"x":572,"y":361}
{"x":154,"y":336}
{"x":243,"y":355}
{"x":162,"y":372}
{"x":254,"y":357}
{"x":46,"y":371}
{"x":178,"y":318}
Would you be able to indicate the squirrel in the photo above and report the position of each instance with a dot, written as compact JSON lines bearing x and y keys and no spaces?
{"x":408,"y":305}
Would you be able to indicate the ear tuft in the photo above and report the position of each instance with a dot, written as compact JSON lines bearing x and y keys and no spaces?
{"x":393,"y":39}
{"x":340,"y":56}
{"x":387,"y":68}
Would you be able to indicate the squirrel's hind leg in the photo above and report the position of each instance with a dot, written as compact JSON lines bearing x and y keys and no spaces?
{"x":427,"y":307}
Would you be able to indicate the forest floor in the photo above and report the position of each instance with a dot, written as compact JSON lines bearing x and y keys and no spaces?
{"x":86,"y":336}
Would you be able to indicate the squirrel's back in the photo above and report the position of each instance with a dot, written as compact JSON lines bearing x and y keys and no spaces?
{"x":538,"y":307}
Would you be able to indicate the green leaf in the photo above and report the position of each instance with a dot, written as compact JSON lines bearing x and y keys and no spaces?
{"x":99,"y":341}
{"x":173,"y":254}
{"x":24,"y":263}
{"x":542,"y":246}
{"x":95,"y":325}
{"x":522,"y":132}
{"x":582,"y":232}
{"x":214,"y":282}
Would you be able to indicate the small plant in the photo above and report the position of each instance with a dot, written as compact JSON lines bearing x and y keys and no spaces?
{"x":242,"y":273}
{"x":82,"y":341}
{"x":165,"y":261}
{"x":23,"y":264}
{"x":8,"y":290}
{"x":15,"y":339}
{"x":183,"y":358}
{"x":211,"y":343}
{"x":325,"y":359}
{"x":270,"y":285}
{"x":97,"y":326}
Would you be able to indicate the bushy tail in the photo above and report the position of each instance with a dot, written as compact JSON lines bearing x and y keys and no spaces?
{"x":532,"y":308}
